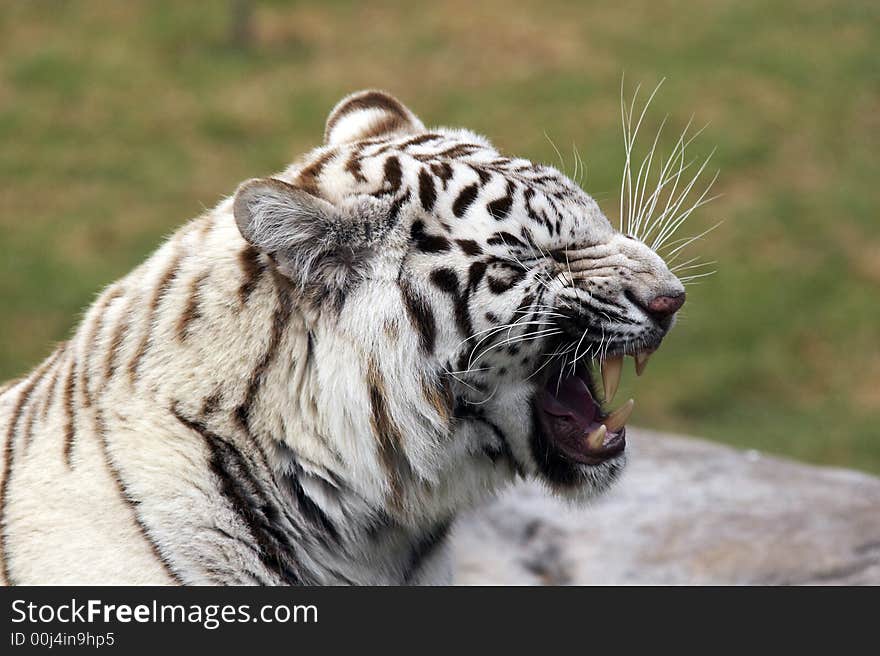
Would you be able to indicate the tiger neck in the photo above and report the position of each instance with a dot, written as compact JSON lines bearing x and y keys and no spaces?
{"x":227,"y":347}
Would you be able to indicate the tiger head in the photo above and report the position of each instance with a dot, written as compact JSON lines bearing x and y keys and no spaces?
{"x":470,"y":311}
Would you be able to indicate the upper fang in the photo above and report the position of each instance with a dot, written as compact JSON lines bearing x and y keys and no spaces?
{"x":611,"y":376}
{"x":642,"y":361}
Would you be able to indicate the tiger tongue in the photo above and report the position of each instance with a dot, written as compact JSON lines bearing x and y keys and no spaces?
{"x":569,"y":397}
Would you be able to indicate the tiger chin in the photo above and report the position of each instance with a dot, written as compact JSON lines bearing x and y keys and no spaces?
{"x":306,"y":384}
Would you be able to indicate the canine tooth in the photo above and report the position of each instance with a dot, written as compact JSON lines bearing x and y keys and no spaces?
{"x":617,"y":419}
{"x":596,"y":439}
{"x":611,"y":376}
{"x":642,"y":361}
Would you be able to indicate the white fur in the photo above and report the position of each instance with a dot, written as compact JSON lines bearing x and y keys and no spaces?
{"x":312,"y":417}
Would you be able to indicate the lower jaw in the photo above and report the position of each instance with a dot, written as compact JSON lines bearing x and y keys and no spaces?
{"x":614,"y":448}
{"x":574,"y":474}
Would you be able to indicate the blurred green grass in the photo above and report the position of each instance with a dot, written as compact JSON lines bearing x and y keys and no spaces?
{"x":118,"y":121}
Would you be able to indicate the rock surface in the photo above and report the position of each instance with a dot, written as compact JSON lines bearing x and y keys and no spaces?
{"x":685,"y":512}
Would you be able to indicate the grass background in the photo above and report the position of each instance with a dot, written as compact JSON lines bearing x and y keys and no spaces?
{"x":120,"y":120}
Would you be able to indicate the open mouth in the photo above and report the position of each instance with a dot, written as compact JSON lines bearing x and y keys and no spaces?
{"x":573,"y":415}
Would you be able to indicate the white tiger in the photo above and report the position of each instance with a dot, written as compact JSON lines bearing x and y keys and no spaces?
{"x":305,"y":385}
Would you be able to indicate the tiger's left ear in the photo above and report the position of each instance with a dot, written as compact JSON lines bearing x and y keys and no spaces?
{"x":323,"y":250}
{"x":368,"y":114}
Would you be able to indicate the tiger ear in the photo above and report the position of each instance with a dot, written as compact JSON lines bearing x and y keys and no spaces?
{"x":309,"y":240}
{"x":368,"y":114}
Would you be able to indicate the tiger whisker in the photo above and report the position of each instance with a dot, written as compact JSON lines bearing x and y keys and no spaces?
{"x":541,"y":334}
{"x":665,"y":177}
{"x":676,"y":221}
{"x":690,"y":241}
{"x":484,"y":401}
{"x":630,"y":136}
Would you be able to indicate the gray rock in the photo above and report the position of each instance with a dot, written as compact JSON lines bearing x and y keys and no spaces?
{"x":685,"y":512}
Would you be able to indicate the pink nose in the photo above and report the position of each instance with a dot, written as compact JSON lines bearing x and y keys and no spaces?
{"x":664,"y":306}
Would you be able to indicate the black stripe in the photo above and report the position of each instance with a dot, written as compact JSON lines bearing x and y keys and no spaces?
{"x":476,"y":271}
{"x":469,"y":247}
{"x":443,"y":171}
{"x":393,"y":176}
{"x":252,"y":266}
{"x":7,"y":471}
{"x":353,"y":166}
{"x":312,"y":511}
{"x":464,"y":200}
{"x":120,"y":332}
{"x":212,"y":403}
{"x":500,"y":207}
{"x":247,"y":497}
{"x":447,"y":281}
{"x":484,"y":176}
{"x":130,"y":501}
{"x":49,"y":398}
{"x":159,"y":292}
{"x":39,"y":375}
{"x":96,"y":328}
{"x":504,"y":238}
{"x":387,"y":433}
{"x":365,"y":101}
{"x":280,"y":317}
{"x":428,"y":243}
{"x":421,"y":317}
{"x":308,"y":178}
{"x":532,"y":213}
{"x":192,"y":310}
{"x":501,"y":285}
{"x":393,"y":212}
{"x":457,"y":151}
{"x":419,"y":140}
{"x":69,"y":413}
{"x":427,"y":190}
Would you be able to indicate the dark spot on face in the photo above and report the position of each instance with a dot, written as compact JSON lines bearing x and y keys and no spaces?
{"x":427,"y":191}
{"x":475,"y":274}
{"x":465,"y":199}
{"x":469,"y":247}
{"x":445,"y":280}
{"x":393,"y":177}
{"x":500,"y":207}
{"x":428,"y":243}
{"x":501,"y":285}
{"x":443,"y":171}
{"x":484,"y":175}
{"x":504,"y":239}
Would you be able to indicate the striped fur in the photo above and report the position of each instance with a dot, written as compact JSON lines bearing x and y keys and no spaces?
{"x":304,"y":386}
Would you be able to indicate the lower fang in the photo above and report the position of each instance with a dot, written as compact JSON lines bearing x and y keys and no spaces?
{"x":596,"y":439}
{"x":617,"y":419}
